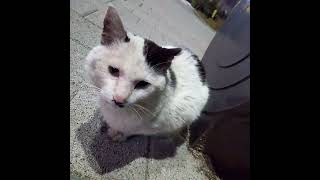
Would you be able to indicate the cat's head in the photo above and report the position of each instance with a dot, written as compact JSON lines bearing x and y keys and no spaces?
{"x":127,"y":68}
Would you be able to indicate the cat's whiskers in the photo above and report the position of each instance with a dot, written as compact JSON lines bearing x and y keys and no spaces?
{"x":129,"y":108}
{"x":140,"y":118}
{"x":144,"y":109}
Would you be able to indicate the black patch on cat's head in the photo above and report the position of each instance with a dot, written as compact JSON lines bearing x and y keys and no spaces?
{"x":113,"y":29}
{"x":157,"y":57}
{"x":201,"y":70}
{"x":127,"y":39}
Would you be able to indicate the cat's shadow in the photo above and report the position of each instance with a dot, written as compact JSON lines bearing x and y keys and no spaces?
{"x":104,"y":155}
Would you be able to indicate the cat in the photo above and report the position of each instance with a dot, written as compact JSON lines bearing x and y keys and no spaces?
{"x":144,"y":88}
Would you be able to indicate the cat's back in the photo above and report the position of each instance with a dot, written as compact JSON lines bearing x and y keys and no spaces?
{"x":188,"y":71}
{"x":189,"y":88}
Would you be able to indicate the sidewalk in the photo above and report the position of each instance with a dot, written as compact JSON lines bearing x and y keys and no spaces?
{"x":93,"y":156}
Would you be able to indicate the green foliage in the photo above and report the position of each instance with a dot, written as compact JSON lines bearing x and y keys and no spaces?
{"x":194,"y":3}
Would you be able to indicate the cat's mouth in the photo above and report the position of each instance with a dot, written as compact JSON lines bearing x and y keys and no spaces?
{"x":119,"y":104}
{"x":112,"y":102}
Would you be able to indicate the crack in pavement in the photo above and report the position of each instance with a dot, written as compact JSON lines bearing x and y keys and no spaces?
{"x":85,"y":19}
{"x":85,"y":14}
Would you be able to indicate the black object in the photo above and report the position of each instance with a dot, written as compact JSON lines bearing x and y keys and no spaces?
{"x":223,"y":131}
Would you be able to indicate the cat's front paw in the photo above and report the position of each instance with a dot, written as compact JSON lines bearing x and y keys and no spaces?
{"x":116,"y":136}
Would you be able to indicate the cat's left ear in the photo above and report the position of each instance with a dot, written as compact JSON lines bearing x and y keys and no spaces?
{"x":157,"y":57}
{"x":113,"y":29}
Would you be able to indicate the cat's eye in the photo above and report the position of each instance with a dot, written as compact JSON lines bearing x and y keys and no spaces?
{"x":114,"y":71}
{"x":142,"y":85}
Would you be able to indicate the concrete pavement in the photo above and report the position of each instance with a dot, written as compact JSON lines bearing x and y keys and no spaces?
{"x":93,"y":156}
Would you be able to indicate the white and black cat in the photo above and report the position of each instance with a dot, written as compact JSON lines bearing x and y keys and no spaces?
{"x":144,"y":88}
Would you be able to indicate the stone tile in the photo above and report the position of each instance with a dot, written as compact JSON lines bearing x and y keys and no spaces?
{"x":77,"y":55}
{"x":131,"y":22}
{"x":83,"y":6}
{"x":131,"y":4}
{"x":126,"y":16}
{"x":171,"y":161}
{"x":82,"y":108}
{"x":156,"y":36}
{"x":86,"y":7}
{"x":77,"y":75}
{"x":83,"y":32}
{"x":75,"y":84}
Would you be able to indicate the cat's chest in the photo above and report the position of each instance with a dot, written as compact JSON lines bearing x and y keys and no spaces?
{"x":124,"y":120}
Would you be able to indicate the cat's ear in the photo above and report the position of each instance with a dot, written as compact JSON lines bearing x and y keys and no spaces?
{"x":113,"y":29}
{"x":157,"y":57}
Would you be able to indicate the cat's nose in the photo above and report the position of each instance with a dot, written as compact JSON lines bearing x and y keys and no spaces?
{"x":119,"y":101}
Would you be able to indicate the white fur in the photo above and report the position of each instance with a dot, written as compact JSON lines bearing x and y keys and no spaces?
{"x":160,"y":108}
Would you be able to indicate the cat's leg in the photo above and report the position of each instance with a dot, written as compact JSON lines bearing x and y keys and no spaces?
{"x":116,"y":135}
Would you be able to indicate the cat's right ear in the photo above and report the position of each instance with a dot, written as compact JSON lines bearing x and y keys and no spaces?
{"x":113,"y":29}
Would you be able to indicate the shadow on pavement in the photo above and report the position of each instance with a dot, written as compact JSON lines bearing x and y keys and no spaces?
{"x":105,"y":155}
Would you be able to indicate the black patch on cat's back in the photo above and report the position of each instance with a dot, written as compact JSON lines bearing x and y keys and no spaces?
{"x":173,"y":79}
{"x":158,"y":57}
{"x":201,"y":70}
